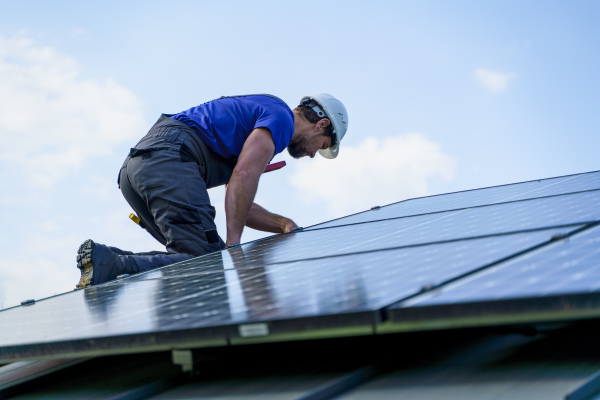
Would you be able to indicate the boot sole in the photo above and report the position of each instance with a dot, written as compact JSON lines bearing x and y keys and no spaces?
{"x":84,"y":263}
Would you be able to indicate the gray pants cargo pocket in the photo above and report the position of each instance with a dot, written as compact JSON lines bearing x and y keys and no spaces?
{"x":152,"y":169}
{"x":195,"y":233}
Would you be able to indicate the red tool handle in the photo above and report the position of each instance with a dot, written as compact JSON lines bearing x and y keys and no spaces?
{"x":270,"y":167}
{"x":273,"y":167}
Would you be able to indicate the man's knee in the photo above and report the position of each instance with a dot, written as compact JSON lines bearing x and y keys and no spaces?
{"x":191,"y":231}
{"x":193,"y":239}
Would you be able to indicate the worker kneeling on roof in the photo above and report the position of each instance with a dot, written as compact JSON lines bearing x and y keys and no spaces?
{"x":225,"y":141}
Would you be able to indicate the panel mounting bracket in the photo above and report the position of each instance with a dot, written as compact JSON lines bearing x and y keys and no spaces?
{"x":185,"y":358}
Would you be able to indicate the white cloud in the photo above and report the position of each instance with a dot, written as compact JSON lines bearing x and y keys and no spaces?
{"x":494,"y":81}
{"x":61,"y":139}
{"x":52,"y":119}
{"x":376,"y":172}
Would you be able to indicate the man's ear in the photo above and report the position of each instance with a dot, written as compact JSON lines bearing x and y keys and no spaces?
{"x":322,"y":124}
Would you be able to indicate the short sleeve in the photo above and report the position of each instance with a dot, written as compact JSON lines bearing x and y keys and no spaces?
{"x":280,"y":121}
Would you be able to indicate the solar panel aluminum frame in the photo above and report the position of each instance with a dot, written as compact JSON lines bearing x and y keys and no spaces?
{"x":114,"y":345}
{"x":548,"y":309}
{"x":305,"y":328}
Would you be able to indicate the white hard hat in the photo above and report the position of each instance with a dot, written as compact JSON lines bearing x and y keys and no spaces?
{"x":327,"y":106}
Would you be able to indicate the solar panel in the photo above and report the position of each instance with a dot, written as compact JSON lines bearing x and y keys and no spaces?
{"x":561,"y":279}
{"x":571,"y":265}
{"x":357,"y":285}
{"x":473,"y":198}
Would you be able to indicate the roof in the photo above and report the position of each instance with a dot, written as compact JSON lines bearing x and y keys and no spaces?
{"x":492,"y":291}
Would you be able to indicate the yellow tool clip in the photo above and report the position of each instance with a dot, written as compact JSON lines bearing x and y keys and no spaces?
{"x":137,"y":220}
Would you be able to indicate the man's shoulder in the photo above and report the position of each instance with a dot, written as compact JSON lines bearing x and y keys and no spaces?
{"x":261,"y":99}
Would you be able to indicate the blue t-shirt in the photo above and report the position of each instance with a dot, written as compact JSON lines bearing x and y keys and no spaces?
{"x":224,"y":124}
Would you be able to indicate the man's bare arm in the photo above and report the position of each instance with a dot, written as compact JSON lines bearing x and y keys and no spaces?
{"x":256,"y":154}
{"x":263,"y":220}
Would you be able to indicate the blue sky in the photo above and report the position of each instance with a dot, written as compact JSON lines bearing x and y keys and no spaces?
{"x":442,"y":96}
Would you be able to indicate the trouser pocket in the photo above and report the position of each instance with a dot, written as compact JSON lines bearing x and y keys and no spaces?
{"x":191,"y":230}
{"x":147,"y":152}
{"x":155,"y":168}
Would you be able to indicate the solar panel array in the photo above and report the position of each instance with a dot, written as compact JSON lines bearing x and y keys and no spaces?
{"x":405,"y":266}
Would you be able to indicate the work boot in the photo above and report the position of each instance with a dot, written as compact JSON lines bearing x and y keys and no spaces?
{"x":99,"y":264}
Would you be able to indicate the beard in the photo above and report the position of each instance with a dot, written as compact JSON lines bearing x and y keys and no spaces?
{"x":297,"y":149}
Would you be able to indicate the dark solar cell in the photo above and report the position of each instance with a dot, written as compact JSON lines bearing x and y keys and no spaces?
{"x":472,"y":198}
{"x":244,"y":292}
{"x":566,"y":267}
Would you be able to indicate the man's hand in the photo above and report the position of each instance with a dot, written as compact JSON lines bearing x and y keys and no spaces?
{"x":256,"y":154}
{"x":263,"y":220}
{"x":289,"y":226}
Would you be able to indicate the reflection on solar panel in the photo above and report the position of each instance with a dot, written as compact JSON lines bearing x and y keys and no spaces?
{"x":335,"y":279}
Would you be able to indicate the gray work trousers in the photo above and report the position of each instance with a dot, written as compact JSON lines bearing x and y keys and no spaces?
{"x":165,"y":180}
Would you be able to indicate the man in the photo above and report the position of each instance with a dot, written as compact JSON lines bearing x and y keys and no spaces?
{"x":225,"y":141}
